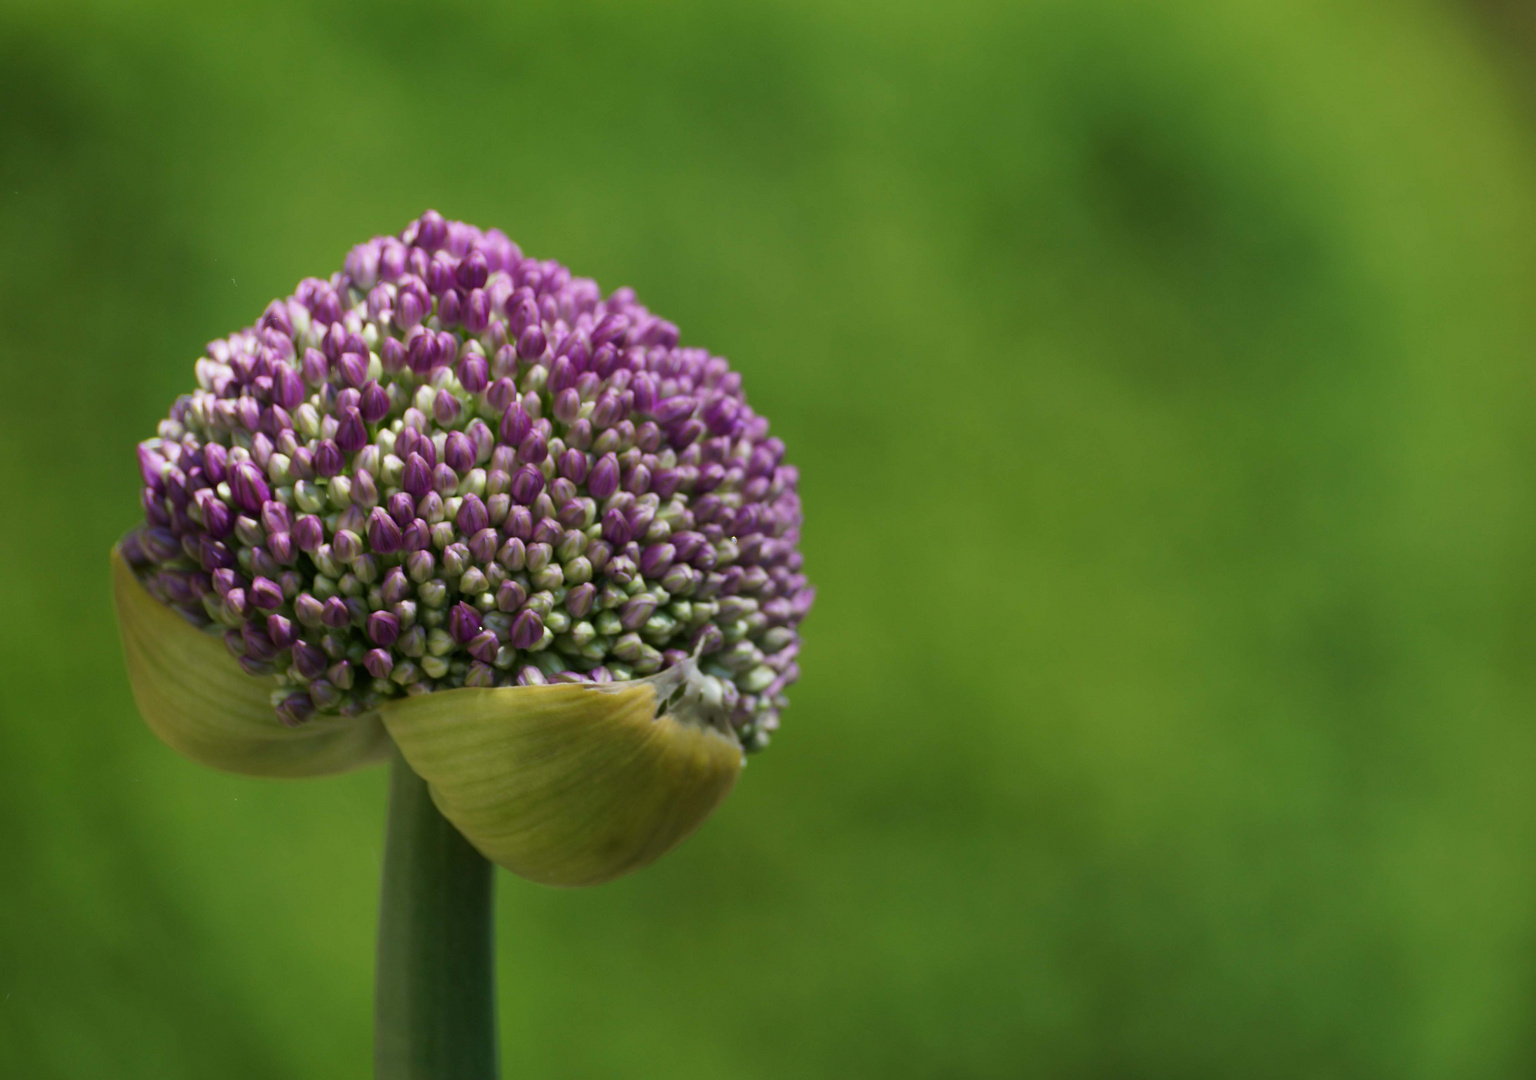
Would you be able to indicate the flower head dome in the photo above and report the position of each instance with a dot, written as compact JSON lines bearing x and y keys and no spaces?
{"x":453,"y":466}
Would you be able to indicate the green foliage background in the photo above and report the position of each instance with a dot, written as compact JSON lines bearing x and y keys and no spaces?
{"x":1161,"y":378}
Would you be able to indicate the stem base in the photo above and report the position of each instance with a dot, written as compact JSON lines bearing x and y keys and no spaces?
{"x":435,"y":983}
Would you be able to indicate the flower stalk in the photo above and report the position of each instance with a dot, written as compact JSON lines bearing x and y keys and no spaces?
{"x":435,"y":984}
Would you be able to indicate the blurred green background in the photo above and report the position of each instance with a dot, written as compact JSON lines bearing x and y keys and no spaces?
{"x":1161,"y":376}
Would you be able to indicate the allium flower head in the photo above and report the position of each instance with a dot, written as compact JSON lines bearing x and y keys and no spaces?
{"x":450,"y":466}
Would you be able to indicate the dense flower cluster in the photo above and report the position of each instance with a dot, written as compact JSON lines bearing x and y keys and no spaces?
{"x":450,"y":465}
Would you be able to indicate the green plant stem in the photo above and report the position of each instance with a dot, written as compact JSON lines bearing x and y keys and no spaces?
{"x":435,"y":986}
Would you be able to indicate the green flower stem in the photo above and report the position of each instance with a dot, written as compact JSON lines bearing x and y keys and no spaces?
{"x":435,"y":987}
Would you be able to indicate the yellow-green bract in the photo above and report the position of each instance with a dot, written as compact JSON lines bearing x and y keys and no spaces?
{"x":569,"y":784}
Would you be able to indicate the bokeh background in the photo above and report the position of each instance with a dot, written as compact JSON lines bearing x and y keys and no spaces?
{"x":1163,"y":380}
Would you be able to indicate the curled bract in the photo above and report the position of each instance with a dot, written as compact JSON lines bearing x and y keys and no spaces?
{"x":199,"y":701}
{"x":565,"y":784}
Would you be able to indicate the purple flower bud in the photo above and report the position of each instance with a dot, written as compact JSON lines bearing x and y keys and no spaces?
{"x":547,"y":531}
{"x":446,"y":408}
{"x":417,"y":536}
{"x":406,"y":442}
{"x":324,"y":694}
{"x":483,"y":545}
{"x":308,"y":533}
{"x":598,"y":553}
{"x":383,"y":533}
{"x":410,"y":308}
{"x":444,"y":479}
{"x":562,"y":375}
{"x":567,"y":405}
{"x":374,"y":405}
{"x":362,"y":265}
{"x":681,"y":436}
{"x":257,"y":645}
{"x":510,"y":596}
{"x":430,"y":233}
{"x":522,"y":312}
{"x":450,"y":309}
{"x":351,"y":434}
{"x":800,"y":606}
{"x":265,"y":594}
{"x":483,"y":646}
{"x":472,"y":516}
{"x":218,"y":518}
{"x":476,"y":312}
{"x":308,"y":660}
{"x":474,"y":375}
{"x":383,"y":628}
{"x":527,"y":483}
{"x":295,"y":710}
{"x":633,"y":614}
{"x":328,"y":458}
{"x":287,"y":388}
{"x":674,"y":409}
{"x":417,"y":476}
{"x":402,"y":508}
{"x":644,"y":388}
{"x":419,"y":565}
{"x":608,"y":410}
{"x":353,"y":369}
{"x":616,"y":528}
{"x":275,"y":517}
{"x":463,"y":622}
{"x":515,"y":424}
{"x":655,"y":560}
{"x":249,"y":487}
{"x":579,"y":600}
{"x":276,"y":318}
{"x":334,"y":613}
{"x":395,"y":587}
{"x":236,"y":604}
{"x":455,"y":559}
{"x":518,"y":523}
{"x":365,"y":490}
{"x":249,"y":413}
{"x":459,"y":452}
{"x":392,"y":355}
{"x":688,"y":544}
{"x":604,"y":478}
{"x":316,"y":369}
{"x":213,"y":555}
{"x":500,"y":395}
{"x":472,"y":271}
{"x":423,"y":353}
{"x":381,"y":303}
{"x":160,"y":544}
{"x":379,"y":663}
{"x":526,"y":630}
{"x":679,"y":579}
{"x":346,"y":546}
{"x":281,"y":630}
{"x":611,"y":329}
{"x":531,"y":343}
{"x":573,"y":466}
{"x":534,"y":448}
{"x":513,"y":555}
{"x":215,"y":459}
{"x":664,"y":482}
{"x":638,"y":482}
